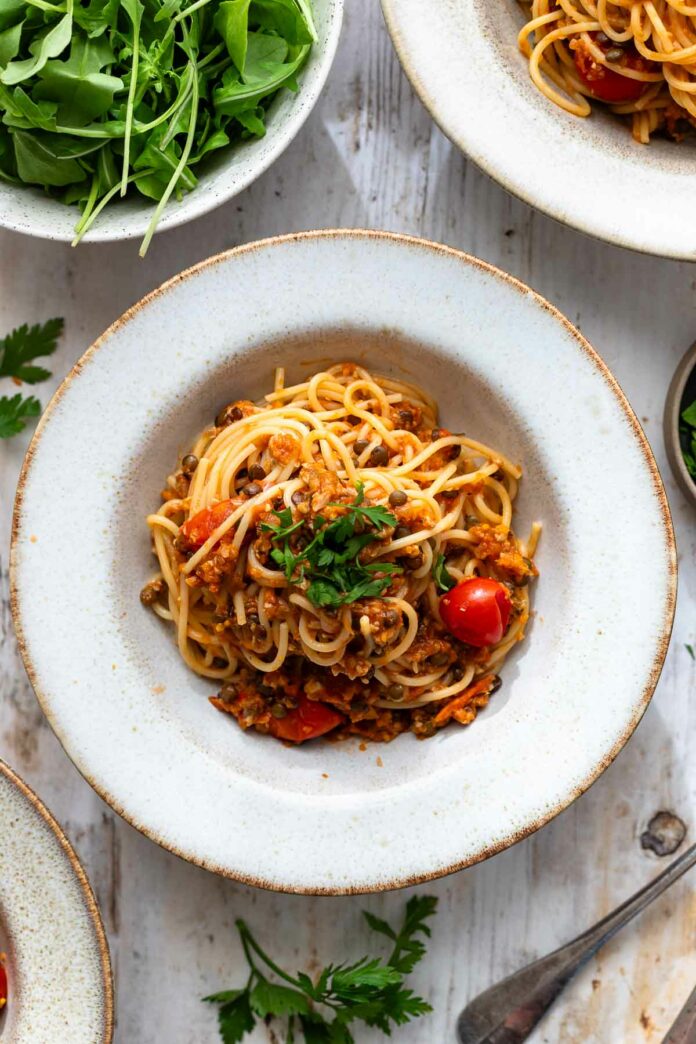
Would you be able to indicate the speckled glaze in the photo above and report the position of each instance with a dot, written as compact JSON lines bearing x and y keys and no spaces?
{"x":462,"y":59}
{"x":29,"y":210}
{"x":58,"y":965}
{"x":330,"y":817}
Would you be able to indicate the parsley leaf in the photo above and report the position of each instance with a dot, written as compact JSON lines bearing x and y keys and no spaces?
{"x":408,"y":950}
{"x":369,"y":990}
{"x":267,"y":998}
{"x":15,"y":412}
{"x":444,"y":581}
{"x":236,"y":1019}
{"x":690,"y":650}
{"x":23,"y":345}
{"x":330,"y":561}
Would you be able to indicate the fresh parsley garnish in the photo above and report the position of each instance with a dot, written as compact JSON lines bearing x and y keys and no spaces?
{"x":444,"y":581}
{"x":687,"y":438}
{"x":371,"y":990}
{"x":18,"y":351}
{"x":330,"y":561}
{"x":690,"y":650}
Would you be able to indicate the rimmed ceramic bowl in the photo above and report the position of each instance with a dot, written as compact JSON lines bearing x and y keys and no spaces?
{"x":230,"y":171}
{"x":462,"y":59}
{"x":677,"y":400}
{"x":331,"y":817}
{"x":57,"y":957}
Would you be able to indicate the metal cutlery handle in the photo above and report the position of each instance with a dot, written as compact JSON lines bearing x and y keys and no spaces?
{"x":684,"y":1029}
{"x":508,"y":1012}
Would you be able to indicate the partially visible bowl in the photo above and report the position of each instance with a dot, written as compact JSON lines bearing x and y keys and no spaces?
{"x":331,"y":817}
{"x":462,"y":59}
{"x":57,"y":956}
{"x":684,"y":381}
{"x":229,"y":172}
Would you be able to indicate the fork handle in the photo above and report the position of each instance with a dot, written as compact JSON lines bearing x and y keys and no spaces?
{"x":684,"y":1029}
{"x":508,"y":1012}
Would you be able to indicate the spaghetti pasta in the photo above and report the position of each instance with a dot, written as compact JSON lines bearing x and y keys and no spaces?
{"x":637,"y":56}
{"x":303,"y":545}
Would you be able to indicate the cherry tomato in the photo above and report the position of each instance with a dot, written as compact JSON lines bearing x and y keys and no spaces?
{"x":307,"y":721}
{"x":202,"y":526}
{"x":3,"y":986}
{"x":476,"y":611}
{"x":605,"y":84}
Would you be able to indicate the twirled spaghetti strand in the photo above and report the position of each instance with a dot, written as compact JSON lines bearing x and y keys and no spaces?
{"x":638,"y":56}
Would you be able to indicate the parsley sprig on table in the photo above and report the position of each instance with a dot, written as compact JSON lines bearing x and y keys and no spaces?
{"x":370,"y":990}
{"x":18,"y":351}
{"x":330,"y":561}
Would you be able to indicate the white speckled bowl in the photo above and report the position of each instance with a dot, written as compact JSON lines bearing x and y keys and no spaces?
{"x":330,"y":817}
{"x":462,"y":59}
{"x":230,"y":171}
{"x":57,"y":956}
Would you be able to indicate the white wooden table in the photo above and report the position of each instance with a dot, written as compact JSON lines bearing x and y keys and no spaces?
{"x":371,"y":157}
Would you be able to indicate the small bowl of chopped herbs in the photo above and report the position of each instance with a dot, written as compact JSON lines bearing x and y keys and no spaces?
{"x":680,"y":424}
{"x":120,"y":118}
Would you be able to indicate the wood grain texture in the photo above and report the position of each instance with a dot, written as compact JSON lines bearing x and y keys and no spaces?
{"x":370,"y":156}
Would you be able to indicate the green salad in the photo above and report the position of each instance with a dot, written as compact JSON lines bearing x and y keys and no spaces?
{"x":103,"y":97}
{"x":687,"y":437}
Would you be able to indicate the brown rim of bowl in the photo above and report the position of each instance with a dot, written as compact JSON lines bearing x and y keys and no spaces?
{"x":672,"y":413}
{"x":413,"y":243}
{"x":493,"y":172}
{"x":88,"y":896}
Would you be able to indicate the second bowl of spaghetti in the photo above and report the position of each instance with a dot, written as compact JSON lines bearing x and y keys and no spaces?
{"x":391,"y":569}
{"x":551,"y":98}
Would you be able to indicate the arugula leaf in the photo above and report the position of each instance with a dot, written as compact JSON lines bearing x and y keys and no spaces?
{"x":38,"y":165}
{"x":687,"y":438}
{"x":368,"y":990}
{"x":78,"y":86}
{"x":689,"y":415}
{"x":444,"y":581}
{"x":232,"y":22}
{"x":9,"y":43}
{"x":23,"y":345}
{"x":47,"y":44}
{"x":14,"y":413}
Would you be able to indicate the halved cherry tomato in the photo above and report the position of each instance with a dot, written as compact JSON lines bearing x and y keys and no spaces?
{"x":202,"y":526}
{"x":605,"y":84}
{"x":3,"y":986}
{"x":306,"y":721}
{"x":476,"y":611}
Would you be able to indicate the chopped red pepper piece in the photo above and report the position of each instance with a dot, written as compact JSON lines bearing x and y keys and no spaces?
{"x":307,"y":721}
